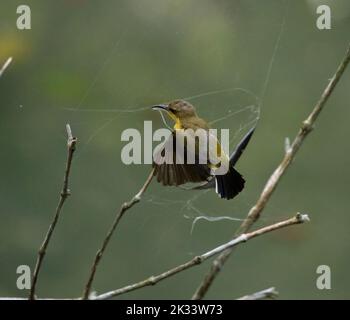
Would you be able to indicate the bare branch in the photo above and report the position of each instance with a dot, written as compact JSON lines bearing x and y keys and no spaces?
{"x":125,"y":206}
{"x":273,"y":181}
{"x":71,"y":144}
{"x":269,"y":293}
{"x":299,"y":218}
{"x":18,"y":298}
{"x":5,"y":66}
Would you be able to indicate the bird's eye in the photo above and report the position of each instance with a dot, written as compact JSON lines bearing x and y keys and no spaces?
{"x":172,"y":109}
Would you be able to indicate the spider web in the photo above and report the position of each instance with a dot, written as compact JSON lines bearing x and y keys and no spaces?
{"x":236,"y":108}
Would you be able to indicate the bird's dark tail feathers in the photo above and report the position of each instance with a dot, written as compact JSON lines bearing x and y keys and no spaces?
{"x":229,"y":184}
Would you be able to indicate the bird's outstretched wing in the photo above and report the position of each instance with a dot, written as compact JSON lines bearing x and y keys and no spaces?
{"x":236,"y":154}
{"x":170,"y":161}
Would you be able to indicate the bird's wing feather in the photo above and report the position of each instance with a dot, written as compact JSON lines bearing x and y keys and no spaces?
{"x":172,"y":168}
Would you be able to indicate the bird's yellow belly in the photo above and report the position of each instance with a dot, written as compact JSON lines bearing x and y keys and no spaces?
{"x":177,"y":125}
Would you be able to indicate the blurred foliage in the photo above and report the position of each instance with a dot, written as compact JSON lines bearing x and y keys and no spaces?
{"x":128,"y":55}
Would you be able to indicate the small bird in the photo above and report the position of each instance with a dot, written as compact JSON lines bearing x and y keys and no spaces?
{"x":175,"y":172}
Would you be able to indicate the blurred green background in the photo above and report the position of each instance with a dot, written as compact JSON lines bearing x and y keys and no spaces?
{"x":87,"y":62}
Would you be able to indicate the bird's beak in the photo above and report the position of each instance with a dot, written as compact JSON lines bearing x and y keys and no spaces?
{"x":161,"y":107}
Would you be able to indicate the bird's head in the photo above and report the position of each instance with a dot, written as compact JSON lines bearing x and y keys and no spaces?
{"x":177,"y":109}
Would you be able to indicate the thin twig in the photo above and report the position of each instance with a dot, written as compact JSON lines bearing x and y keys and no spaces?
{"x":5,"y":66}
{"x":272,"y":183}
{"x":299,"y":218}
{"x":19,"y":298}
{"x":269,"y":293}
{"x":71,"y":144}
{"x":125,"y":206}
